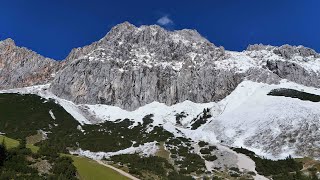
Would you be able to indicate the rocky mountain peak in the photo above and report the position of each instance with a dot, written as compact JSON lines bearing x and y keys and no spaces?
{"x":20,"y":67}
{"x":286,"y":51}
{"x":123,"y":26}
{"x":152,"y":44}
{"x":7,"y":45}
{"x":145,"y":34}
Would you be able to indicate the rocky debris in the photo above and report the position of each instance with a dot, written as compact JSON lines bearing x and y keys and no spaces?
{"x":301,"y":138}
{"x":20,"y":67}
{"x":43,"y":166}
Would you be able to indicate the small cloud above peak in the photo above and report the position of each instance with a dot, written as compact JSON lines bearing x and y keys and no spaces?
{"x":165,"y":21}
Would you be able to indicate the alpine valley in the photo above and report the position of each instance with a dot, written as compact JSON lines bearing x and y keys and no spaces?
{"x":161,"y":104}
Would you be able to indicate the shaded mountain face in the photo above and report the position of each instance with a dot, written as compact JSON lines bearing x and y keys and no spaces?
{"x":133,"y":66}
{"x":20,"y":67}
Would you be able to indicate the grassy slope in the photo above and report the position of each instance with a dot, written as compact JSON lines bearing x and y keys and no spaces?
{"x":87,"y":168}
{"x":11,"y":143}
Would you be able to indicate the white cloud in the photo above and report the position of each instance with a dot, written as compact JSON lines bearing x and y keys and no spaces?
{"x":165,"y":21}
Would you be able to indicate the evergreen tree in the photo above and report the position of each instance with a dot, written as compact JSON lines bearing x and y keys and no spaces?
{"x":3,"y":153}
{"x":23,"y":144}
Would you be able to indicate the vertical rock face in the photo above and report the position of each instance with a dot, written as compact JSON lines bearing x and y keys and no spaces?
{"x":129,"y":89}
{"x":20,"y":67}
{"x":132,"y":66}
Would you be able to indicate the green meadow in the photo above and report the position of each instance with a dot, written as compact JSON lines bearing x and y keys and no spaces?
{"x":89,"y":169}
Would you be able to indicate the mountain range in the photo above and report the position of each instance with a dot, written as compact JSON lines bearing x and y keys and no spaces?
{"x":265,"y":98}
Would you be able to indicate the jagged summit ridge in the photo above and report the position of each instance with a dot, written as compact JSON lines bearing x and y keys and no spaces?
{"x":151,"y":44}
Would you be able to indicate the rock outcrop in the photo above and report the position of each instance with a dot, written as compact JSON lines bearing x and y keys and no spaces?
{"x":20,"y":67}
{"x":294,"y":72}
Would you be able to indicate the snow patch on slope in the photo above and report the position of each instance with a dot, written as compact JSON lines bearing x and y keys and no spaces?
{"x":146,"y":149}
{"x":52,"y":115}
{"x":162,"y":113}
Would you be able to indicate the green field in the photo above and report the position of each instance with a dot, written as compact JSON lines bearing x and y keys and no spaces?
{"x":89,"y":169}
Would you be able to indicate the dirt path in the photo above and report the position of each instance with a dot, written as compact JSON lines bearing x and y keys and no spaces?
{"x":118,"y":170}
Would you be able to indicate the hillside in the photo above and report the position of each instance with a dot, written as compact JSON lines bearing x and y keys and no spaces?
{"x":140,"y":130}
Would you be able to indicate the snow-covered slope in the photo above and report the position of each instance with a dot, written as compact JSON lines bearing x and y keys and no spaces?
{"x":271,"y":126}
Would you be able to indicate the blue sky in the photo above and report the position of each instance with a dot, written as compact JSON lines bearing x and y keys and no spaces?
{"x":53,"y":28}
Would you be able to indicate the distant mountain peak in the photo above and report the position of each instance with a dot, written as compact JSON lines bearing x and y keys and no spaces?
{"x":286,"y":51}
{"x":122,"y":27}
{"x":8,"y":42}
